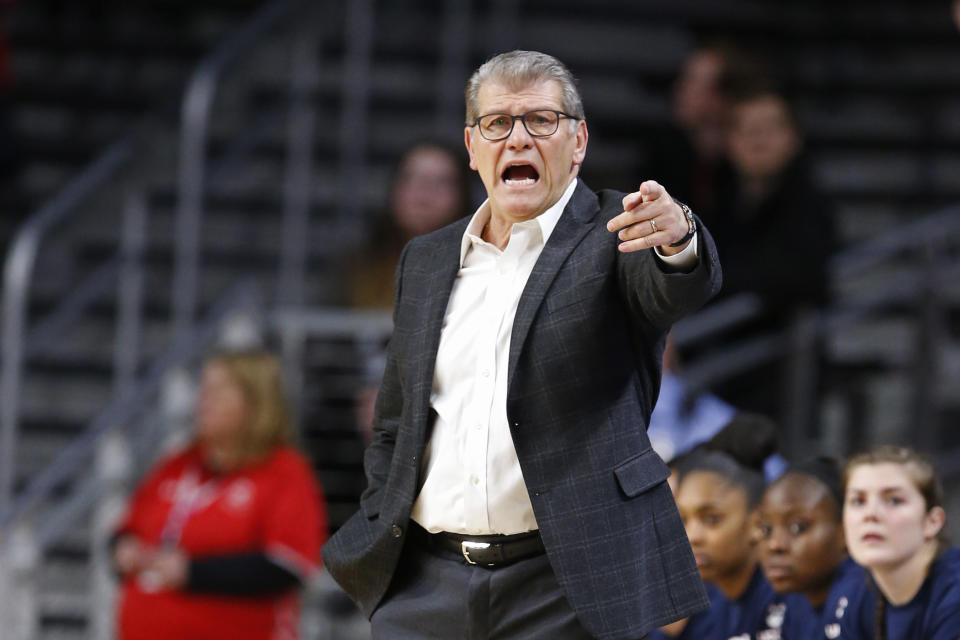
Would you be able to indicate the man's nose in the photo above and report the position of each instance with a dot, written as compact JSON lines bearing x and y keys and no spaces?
{"x":519,"y":138}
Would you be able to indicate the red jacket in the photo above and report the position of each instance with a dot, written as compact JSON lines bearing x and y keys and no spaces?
{"x":274,"y":507}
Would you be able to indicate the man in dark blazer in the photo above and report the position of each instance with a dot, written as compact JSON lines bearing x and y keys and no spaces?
{"x":512,"y":491}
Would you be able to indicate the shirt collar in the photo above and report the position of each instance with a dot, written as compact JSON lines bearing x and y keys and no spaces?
{"x":547,"y":220}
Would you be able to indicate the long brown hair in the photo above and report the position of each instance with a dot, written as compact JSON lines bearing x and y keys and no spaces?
{"x":258,"y":375}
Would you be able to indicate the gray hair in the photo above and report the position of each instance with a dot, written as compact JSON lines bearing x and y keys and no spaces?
{"x":518,"y":70}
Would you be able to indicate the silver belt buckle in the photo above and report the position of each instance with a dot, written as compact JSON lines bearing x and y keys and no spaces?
{"x":467,"y":545}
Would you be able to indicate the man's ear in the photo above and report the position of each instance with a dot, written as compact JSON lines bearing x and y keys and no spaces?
{"x":933,"y":522}
{"x":580,"y":151}
{"x":468,"y":141}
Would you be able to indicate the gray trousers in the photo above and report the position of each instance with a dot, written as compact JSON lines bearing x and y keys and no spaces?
{"x":436,"y":596}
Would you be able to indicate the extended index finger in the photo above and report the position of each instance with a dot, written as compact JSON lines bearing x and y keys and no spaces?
{"x":631,"y":200}
{"x":651,"y":190}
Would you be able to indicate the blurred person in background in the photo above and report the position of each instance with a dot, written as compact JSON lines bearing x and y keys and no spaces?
{"x":219,"y":537}
{"x":894,"y":523}
{"x":775,"y":234}
{"x":719,"y":485}
{"x":690,"y":153}
{"x":803,"y":552}
{"x":430,"y":188}
{"x":778,"y":227}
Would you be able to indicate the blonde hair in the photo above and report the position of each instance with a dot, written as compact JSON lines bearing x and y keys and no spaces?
{"x":259,"y":377}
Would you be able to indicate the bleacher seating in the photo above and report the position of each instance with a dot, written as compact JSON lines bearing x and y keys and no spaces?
{"x":876,"y":91}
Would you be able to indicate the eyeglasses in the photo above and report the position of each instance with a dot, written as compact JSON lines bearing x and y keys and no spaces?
{"x":541,"y":123}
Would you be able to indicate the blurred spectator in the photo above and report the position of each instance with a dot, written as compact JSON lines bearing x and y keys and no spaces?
{"x":219,"y":536}
{"x":774,"y":233}
{"x":777,"y":230}
{"x":429,"y":190}
{"x":689,"y":154}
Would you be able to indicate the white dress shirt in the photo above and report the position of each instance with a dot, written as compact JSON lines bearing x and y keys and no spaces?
{"x":472,"y":482}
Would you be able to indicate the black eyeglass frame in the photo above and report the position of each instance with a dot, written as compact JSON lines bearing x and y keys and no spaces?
{"x":522,"y":118}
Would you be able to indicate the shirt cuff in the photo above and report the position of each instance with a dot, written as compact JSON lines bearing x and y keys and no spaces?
{"x":686,"y":259}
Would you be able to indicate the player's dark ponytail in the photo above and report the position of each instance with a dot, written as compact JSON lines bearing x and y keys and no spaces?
{"x":880,"y":618}
{"x":737,"y":453}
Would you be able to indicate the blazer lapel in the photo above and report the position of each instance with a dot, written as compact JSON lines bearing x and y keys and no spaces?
{"x":445,"y":266}
{"x":573,"y":225}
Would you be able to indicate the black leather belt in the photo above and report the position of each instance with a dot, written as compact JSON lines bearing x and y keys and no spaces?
{"x":487,"y":551}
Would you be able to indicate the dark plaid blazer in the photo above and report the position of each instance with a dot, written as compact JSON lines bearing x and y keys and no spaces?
{"x":583,"y":376}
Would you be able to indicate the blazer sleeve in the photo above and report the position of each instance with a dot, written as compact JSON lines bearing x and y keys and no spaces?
{"x":662,"y":297}
{"x":386,"y":417}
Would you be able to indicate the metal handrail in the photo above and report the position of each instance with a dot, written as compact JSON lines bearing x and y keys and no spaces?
{"x":762,"y":348}
{"x":716,"y":318}
{"x":42,"y":338}
{"x":18,"y":271}
{"x":454,"y":65}
{"x":297,"y":188}
{"x":738,"y":309}
{"x":354,"y":112}
{"x":125,"y":406}
{"x":911,"y":236}
{"x":333,"y":321}
{"x":126,"y":352}
{"x":195,"y":114}
{"x":939,"y":226}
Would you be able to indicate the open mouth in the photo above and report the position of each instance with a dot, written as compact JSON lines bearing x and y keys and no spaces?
{"x":520,"y":174}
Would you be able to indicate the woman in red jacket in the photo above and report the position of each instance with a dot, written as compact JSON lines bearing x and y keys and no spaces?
{"x":219,"y":536}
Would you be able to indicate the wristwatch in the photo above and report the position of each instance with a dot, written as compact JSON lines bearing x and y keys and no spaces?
{"x":691,"y":225}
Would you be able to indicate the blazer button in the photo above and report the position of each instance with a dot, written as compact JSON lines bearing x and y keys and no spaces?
{"x":396,"y":531}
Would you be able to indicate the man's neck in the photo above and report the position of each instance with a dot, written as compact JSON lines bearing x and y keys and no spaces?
{"x":497,"y":232}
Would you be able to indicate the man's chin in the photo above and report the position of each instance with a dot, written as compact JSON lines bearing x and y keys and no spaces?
{"x":522,"y":205}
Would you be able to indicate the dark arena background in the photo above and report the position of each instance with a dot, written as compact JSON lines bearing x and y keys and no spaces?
{"x":178,"y":175}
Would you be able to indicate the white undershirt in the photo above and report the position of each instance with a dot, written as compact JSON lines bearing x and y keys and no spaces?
{"x":472,"y":483}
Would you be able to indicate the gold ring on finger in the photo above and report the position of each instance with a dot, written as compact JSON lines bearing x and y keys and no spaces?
{"x":653,"y":225}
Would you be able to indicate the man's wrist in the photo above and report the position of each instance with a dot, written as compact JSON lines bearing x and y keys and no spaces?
{"x":683,"y":260}
{"x":691,"y":225}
